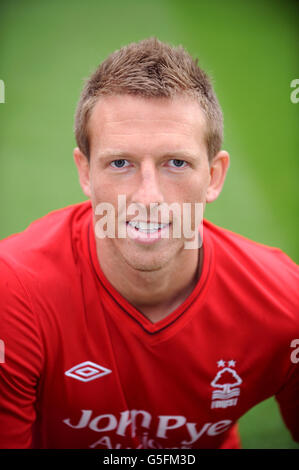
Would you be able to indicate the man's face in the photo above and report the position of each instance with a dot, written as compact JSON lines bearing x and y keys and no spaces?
{"x":150,"y":151}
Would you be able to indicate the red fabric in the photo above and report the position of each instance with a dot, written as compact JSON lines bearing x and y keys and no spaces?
{"x":164,"y":386}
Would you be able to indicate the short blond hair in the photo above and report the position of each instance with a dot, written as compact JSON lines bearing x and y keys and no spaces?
{"x":151,"y":69}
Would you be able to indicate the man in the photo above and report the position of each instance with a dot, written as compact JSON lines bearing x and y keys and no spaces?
{"x":117,"y":333}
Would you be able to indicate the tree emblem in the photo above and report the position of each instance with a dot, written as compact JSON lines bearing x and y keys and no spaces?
{"x":226,"y":379}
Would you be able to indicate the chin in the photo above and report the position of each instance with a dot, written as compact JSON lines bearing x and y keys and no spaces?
{"x":147,"y":262}
{"x":146,"y":265}
{"x":149,"y":259}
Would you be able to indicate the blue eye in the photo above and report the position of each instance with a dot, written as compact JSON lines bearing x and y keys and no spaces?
{"x":178,"y":163}
{"x":119,"y":163}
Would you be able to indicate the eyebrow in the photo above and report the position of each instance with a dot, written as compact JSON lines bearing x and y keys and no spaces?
{"x":120,"y":154}
{"x":113,"y":153}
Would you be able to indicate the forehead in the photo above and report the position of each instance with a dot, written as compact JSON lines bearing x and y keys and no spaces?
{"x":135,"y":123}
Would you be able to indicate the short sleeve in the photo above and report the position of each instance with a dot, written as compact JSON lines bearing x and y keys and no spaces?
{"x":288,"y":400}
{"x":21,"y":361}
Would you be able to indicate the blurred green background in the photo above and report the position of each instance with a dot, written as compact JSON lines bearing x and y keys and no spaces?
{"x":250,"y":49}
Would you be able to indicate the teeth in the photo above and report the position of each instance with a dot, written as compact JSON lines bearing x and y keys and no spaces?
{"x":147,"y":227}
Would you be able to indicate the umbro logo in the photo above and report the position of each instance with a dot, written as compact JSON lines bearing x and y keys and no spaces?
{"x":86,"y":371}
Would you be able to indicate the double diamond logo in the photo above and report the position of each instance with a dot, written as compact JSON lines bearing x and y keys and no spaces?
{"x":87,"y":371}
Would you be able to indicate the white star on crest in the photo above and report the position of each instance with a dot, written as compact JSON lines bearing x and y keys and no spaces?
{"x":221,"y":363}
{"x":231,"y":363}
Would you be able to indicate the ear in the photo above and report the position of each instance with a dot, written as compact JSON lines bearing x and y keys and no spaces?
{"x":83,"y":168}
{"x":218,"y":170}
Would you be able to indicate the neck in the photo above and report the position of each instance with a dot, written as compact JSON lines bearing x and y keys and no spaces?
{"x":154,"y":293}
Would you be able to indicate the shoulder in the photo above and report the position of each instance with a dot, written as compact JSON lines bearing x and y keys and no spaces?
{"x":231,"y":246}
{"x":258,"y":270}
{"x":39,"y":270}
{"x":39,"y":265}
{"x":46,"y":240}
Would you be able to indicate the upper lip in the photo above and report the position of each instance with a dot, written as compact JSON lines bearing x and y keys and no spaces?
{"x":148,"y":221}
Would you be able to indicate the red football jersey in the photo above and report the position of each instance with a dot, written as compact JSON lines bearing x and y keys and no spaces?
{"x":83,"y":368}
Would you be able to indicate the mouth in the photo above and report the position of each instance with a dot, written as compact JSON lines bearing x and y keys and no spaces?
{"x":147,"y":232}
{"x":147,"y":227}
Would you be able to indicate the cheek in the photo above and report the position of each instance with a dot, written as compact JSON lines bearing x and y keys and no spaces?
{"x":201,"y":185}
{"x":101,"y":191}
{"x":194,"y":190}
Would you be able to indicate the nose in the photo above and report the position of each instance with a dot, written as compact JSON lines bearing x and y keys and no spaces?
{"x":148,"y":186}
